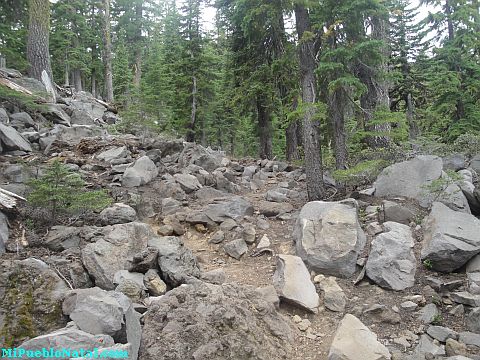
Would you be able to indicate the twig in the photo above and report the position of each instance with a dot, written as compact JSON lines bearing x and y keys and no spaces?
{"x":63,"y":277}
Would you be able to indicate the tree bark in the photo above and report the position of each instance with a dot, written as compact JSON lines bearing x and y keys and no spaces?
{"x":293,"y":141}
{"x":190,"y":137}
{"x":38,"y":38}
{"x":107,"y":53}
{"x":310,"y":126}
{"x":412,"y":124}
{"x":138,"y":46}
{"x":376,"y":97}
{"x":77,"y":80}
{"x":264,"y":130}
{"x":338,"y":103}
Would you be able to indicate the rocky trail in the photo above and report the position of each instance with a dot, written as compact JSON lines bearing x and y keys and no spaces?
{"x":206,"y":257}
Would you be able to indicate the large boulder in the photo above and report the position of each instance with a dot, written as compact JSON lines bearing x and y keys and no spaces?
{"x":195,"y":154}
{"x":142,"y":172}
{"x":188,"y":182}
{"x":118,"y":214}
{"x":111,"y":250}
{"x":233,"y":208}
{"x":73,"y":135}
{"x":76,"y":341}
{"x":115,"y":153}
{"x":329,"y":237}
{"x":210,"y":322}
{"x":177,"y":263}
{"x":56,"y":114}
{"x":96,"y":312}
{"x":293,"y":284}
{"x":354,"y":341}
{"x":451,"y":238}
{"x":31,"y":301}
{"x":391,"y":263}
{"x":10,"y":139}
{"x":409,"y":179}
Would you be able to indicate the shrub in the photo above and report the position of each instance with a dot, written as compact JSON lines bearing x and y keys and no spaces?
{"x":62,"y":191}
{"x":363,"y":173}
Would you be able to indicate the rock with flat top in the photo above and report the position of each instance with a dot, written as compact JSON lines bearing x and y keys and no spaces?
{"x":293,"y":284}
{"x":354,"y":341}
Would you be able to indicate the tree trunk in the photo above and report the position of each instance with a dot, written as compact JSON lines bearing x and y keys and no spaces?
{"x":310,"y":126}
{"x":77,"y":80}
{"x":412,"y":124}
{"x":190,"y":136}
{"x":264,"y":130}
{"x":138,"y":46}
{"x":38,"y":38}
{"x":292,"y":140}
{"x":448,"y":12}
{"x":338,"y":107}
{"x":107,"y":53}
{"x":67,"y":73}
{"x":376,"y":97}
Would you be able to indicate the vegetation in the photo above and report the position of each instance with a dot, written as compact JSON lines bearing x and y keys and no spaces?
{"x":345,"y":82}
{"x":63,"y":191}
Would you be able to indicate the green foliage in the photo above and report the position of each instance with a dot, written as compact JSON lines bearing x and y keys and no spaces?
{"x":437,"y":186}
{"x":23,"y":101}
{"x":428,"y":264}
{"x":360,"y":174}
{"x":63,"y":191}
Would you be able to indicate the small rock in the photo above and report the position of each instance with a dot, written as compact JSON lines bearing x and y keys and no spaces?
{"x":296,"y":319}
{"x":264,"y":242}
{"x":469,"y":338}
{"x":428,"y":314}
{"x":473,"y":320}
{"x":408,"y":306}
{"x":249,"y":233}
{"x":442,"y":333}
{"x":217,"y":238}
{"x":453,"y":347}
{"x":304,"y":325}
{"x":466,"y":298}
{"x":293,"y":284}
{"x":154,"y":284}
{"x":236,"y":248}
{"x":457,"y":310}
{"x":165,"y":230}
{"x":334,"y":297}
{"x":354,"y":341}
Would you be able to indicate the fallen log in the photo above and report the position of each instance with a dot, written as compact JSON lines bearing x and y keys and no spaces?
{"x":13,"y":86}
{"x":8,"y":200}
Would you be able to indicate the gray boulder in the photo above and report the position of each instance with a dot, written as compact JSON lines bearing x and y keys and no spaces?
{"x":61,"y":238}
{"x":118,"y":214}
{"x":450,"y":238}
{"x":177,"y":263}
{"x":391,"y":263}
{"x":4,"y":116}
{"x":114,"y":154}
{"x":189,"y":183}
{"x":198,"y":155}
{"x":354,"y":341}
{"x":31,"y":302}
{"x":142,"y":172}
{"x":235,"y":208}
{"x":329,"y":237}
{"x":397,"y":213}
{"x":110,"y":251}
{"x":56,"y":114}
{"x":475,"y":163}
{"x":75,"y":340}
{"x":73,"y":135}
{"x":209,"y":322}
{"x":96,"y":311}
{"x":236,"y":248}
{"x":293,"y":284}
{"x":454,"y":162}
{"x":473,"y":320}
{"x":22,"y":118}
{"x":409,"y":178}
{"x":12,"y":140}
{"x":334,"y":298}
